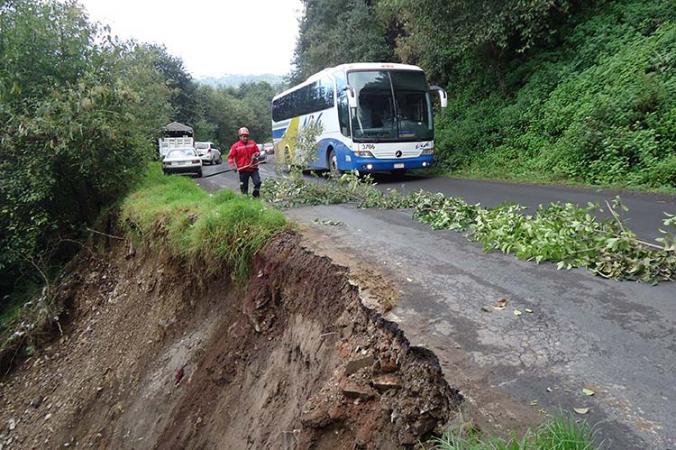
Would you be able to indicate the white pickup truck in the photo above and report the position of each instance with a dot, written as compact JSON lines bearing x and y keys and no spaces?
{"x":170,"y":143}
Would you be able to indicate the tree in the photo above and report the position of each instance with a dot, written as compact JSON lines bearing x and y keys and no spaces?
{"x":183,"y":97}
{"x":334,"y":32}
{"x":439,"y":34}
{"x":78,"y":114}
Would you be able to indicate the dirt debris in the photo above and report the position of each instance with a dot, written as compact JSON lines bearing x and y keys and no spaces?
{"x":155,"y":357}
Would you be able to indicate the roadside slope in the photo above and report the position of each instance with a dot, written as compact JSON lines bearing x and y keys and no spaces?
{"x":616,"y":337}
{"x":156,"y":356}
{"x":584,"y":330}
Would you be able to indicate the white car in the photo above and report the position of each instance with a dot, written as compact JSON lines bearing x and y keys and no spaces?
{"x":182,"y":160}
{"x":208,"y":153}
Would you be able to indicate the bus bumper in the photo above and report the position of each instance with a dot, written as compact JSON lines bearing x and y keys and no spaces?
{"x":369,"y":165}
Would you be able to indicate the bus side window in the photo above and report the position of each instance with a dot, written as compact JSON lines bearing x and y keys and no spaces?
{"x":343,"y":114}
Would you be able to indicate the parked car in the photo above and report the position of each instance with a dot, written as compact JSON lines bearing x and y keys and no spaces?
{"x":182,"y":160}
{"x":208,"y":153}
{"x":269,"y":148}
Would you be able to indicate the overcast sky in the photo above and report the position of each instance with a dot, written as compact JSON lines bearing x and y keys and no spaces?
{"x":212,"y":37}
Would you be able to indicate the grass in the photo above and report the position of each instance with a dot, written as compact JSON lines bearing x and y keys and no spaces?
{"x":211,"y":232}
{"x":562,"y":433}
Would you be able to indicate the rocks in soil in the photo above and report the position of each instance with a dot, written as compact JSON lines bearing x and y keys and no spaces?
{"x":359,"y":363}
{"x":36,"y":402}
{"x":386,"y":382}
{"x":351,"y":389}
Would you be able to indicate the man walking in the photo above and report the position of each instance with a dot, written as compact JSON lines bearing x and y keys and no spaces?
{"x":243,"y":156}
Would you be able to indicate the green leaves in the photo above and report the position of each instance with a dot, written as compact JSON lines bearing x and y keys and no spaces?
{"x":78,"y":117}
{"x":564,"y":234}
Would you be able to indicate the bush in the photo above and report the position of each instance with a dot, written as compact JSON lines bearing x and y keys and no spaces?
{"x":598,"y":108}
{"x":78,"y":115}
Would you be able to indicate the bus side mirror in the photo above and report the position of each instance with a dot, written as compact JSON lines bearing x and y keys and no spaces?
{"x":443,"y":97}
{"x":351,"y":98}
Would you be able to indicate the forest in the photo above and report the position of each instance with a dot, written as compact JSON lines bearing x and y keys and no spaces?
{"x":541,"y":90}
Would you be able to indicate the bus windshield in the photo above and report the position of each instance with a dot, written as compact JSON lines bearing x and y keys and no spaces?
{"x":391,"y":106}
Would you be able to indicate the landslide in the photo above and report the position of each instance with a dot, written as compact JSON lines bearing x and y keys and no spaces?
{"x":154,"y":355}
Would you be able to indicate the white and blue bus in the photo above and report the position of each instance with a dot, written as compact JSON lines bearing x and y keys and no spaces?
{"x":375,"y":117}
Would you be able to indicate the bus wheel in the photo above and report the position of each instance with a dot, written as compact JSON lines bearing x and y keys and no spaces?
{"x":333,"y":164}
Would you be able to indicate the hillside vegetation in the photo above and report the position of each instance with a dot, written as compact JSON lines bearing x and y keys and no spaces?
{"x":542,"y":90}
{"x":213,"y":233}
{"x":74,"y":104}
{"x":80,"y":112}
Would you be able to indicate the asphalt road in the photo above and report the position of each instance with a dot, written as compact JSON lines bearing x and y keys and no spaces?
{"x":645,"y":215}
{"x":617,"y":338}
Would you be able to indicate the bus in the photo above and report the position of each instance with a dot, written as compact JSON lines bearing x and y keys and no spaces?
{"x":374,"y":117}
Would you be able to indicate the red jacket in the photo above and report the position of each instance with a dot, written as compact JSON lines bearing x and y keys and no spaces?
{"x":243,"y":155}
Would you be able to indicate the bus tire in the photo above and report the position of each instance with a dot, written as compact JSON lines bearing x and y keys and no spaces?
{"x":333,"y":163}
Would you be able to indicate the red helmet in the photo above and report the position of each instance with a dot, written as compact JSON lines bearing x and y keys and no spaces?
{"x":243,"y":131}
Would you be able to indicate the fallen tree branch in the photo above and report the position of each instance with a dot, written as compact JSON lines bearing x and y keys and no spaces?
{"x":619,"y":222}
{"x":616,"y":216}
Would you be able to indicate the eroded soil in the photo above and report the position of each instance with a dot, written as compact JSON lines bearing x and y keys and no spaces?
{"x":156,"y":357}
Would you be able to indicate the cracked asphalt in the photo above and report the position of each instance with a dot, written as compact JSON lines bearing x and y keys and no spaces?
{"x":614,"y":337}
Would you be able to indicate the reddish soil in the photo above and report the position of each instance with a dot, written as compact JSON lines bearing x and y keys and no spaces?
{"x":155,"y":357}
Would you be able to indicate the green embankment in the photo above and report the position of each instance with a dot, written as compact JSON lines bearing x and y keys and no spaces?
{"x":597,"y":108}
{"x":210,"y":232}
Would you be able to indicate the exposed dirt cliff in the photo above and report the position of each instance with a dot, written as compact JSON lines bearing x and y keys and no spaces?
{"x":154,"y":356}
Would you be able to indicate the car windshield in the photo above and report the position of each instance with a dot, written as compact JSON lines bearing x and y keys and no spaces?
{"x":391,"y":105}
{"x":181,"y":153}
{"x":202,"y":145}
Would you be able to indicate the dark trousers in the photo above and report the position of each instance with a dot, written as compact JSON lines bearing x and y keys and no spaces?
{"x":244,"y":182}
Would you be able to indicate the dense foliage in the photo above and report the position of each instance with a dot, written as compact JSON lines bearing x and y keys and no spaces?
{"x":335,"y":32}
{"x":80,"y":113}
{"x":556,"y":90}
{"x":215,"y":112}
{"x":599,"y":107}
{"x":77,"y":111}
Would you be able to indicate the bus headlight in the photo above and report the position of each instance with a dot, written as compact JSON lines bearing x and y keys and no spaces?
{"x":364,"y":154}
{"x":428,"y":151}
